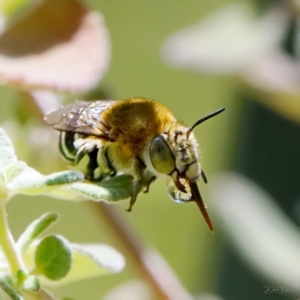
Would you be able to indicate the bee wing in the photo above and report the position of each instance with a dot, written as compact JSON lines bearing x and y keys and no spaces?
{"x":81,"y":117}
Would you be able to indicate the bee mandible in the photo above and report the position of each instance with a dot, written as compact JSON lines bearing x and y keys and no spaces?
{"x":136,"y":136}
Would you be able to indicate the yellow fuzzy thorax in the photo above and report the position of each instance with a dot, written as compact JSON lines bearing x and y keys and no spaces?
{"x":135,"y":122}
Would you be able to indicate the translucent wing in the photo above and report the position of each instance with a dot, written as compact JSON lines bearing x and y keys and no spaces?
{"x":81,"y":117}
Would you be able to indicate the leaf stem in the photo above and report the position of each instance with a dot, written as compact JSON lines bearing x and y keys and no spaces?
{"x":8,"y":246}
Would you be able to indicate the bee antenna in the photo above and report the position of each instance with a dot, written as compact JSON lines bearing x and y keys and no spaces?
{"x":204,"y":119}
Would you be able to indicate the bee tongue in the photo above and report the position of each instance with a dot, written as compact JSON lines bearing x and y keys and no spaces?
{"x":198,"y":199}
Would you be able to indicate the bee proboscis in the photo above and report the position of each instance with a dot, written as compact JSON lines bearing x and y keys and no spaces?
{"x":137,"y":136}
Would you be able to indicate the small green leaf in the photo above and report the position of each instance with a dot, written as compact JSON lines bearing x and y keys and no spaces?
{"x":40,"y":184}
{"x":113,"y":190}
{"x":7,"y":152}
{"x":21,"y":276}
{"x":53,"y":257}
{"x":88,"y":261}
{"x":35,"y":229}
{"x":6,"y":284}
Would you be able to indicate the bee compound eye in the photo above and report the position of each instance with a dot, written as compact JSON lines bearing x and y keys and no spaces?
{"x":161,"y":156}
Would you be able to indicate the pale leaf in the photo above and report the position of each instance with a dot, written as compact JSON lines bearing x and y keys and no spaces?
{"x":57,"y":45}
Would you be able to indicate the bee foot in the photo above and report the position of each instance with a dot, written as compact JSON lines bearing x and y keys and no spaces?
{"x":148,"y":184}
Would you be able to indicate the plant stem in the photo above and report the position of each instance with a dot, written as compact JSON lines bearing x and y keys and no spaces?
{"x":149,"y":263}
{"x":8,"y":245}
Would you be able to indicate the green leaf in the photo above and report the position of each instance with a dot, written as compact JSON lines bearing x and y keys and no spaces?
{"x":40,"y":184}
{"x":7,"y":152}
{"x":6,"y":285}
{"x":113,"y":190}
{"x":53,"y":257}
{"x":35,"y":229}
{"x":89,"y":261}
{"x":21,"y":276}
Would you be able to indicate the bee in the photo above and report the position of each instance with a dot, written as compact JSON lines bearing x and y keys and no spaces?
{"x":137,"y":136}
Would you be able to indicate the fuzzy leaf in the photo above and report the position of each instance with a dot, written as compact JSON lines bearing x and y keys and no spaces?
{"x":40,"y":184}
{"x":14,"y":169}
{"x":113,"y":190}
{"x":34,"y":230}
{"x":7,"y":152}
{"x":88,"y":261}
{"x":57,"y":45}
{"x":53,"y":257}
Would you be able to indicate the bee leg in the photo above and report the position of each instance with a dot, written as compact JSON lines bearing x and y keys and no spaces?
{"x":132,"y":201}
{"x":137,"y":186}
{"x":112,"y":170}
{"x":89,"y":164}
{"x":105,"y":166}
{"x":140,"y":167}
{"x":203,"y":176}
{"x":80,"y":154}
{"x":139,"y":182}
{"x":148,"y":184}
{"x":139,"y":164}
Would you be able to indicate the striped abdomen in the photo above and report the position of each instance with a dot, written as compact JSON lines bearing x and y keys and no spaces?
{"x":87,"y":154}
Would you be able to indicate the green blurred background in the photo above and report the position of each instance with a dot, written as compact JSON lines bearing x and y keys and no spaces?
{"x":203,"y":262}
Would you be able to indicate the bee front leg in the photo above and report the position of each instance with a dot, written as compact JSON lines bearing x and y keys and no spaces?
{"x":136,"y":188}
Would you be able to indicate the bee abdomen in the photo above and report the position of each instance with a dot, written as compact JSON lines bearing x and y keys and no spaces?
{"x":86,"y":154}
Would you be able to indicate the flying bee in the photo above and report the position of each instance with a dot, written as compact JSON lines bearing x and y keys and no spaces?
{"x":136,"y":136}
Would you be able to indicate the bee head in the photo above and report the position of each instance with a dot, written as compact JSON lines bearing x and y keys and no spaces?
{"x":175,"y":152}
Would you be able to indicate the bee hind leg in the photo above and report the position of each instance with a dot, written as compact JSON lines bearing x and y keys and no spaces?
{"x":132,"y":201}
{"x":111,"y":170}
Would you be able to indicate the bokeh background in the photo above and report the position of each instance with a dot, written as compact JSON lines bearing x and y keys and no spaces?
{"x":195,"y":57}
